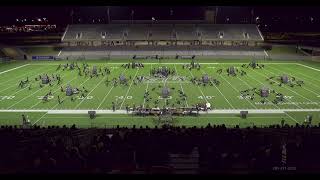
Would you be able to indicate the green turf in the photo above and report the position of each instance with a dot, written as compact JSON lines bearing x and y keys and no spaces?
{"x":9,"y":65}
{"x":100,"y":96}
{"x":111,"y":121}
{"x":284,"y":50}
{"x":40,"y":51}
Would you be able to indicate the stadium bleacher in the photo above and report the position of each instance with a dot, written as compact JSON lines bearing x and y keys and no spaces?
{"x":127,"y":40}
{"x":164,"y":31}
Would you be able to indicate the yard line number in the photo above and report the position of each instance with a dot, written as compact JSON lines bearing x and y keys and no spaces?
{"x":85,"y":98}
{"x":41,"y":97}
{"x":249,"y":97}
{"x":205,"y":97}
{"x":6,"y":97}
{"x":160,"y":97}
{"x":122,"y":97}
{"x":78,"y":97}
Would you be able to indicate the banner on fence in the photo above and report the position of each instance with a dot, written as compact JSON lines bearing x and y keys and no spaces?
{"x":43,"y":58}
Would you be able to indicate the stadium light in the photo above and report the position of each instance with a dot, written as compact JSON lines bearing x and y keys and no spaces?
{"x":39,"y":19}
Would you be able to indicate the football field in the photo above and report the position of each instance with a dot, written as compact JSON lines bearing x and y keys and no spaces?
{"x":227,"y":98}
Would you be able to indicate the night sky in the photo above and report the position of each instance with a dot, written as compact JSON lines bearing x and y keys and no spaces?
{"x":290,"y":17}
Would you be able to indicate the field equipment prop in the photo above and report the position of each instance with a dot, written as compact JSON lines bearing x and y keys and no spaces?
{"x":92,"y":114}
{"x":264,"y":92}
{"x":243,"y":114}
{"x":45,"y":79}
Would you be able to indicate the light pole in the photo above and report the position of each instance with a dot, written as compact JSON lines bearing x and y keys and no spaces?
{"x":152,"y":20}
{"x":215,"y":17}
{"x":252,"y":15}
{"x":132,"y":13}
{"x":71,"y":14}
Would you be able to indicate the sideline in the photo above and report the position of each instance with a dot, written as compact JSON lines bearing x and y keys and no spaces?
{"x":14,"y":68}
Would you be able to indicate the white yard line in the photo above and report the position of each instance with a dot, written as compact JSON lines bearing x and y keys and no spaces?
{"x":53,"y":92}
{"x":309,"y":77}
{"x":269,"y":100}
{"x":181,"y":63}
{"x":215,"y":117}
{"x":254,"y":106}
{"x":29,"y":96}
{"x":314,"y":79}
{"x":291,"y":117}
{"x":67,"y":96}
{"x":105,"y":97}
{"x":24,"y":98}
{"x":164,"y":85}
{"x":290,"y":89}
{"x":15,"y":84}
{"x":108,"y":92}
{"x":301,"y":86}
{"x":8,"y":87}
{"x":308,"y":67}
{"x":23,"y":75}
{"x":39,"y":119}
{"x":215,"y":111}
{"x":144,"y":99}
{"x":125,"y":97}
{"x":199,"y":88}
{"x":186,"y":101}
{"x":168,"y":82}
{"x":15,"y":92}
{"x":220,"y":92}
{"x":55,"y":106}
{"x":251,"y":88}
{"x":90,"y":92}
{"x":14,"y":69}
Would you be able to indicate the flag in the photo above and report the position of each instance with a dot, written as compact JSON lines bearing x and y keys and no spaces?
{"x":108,"y":15}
